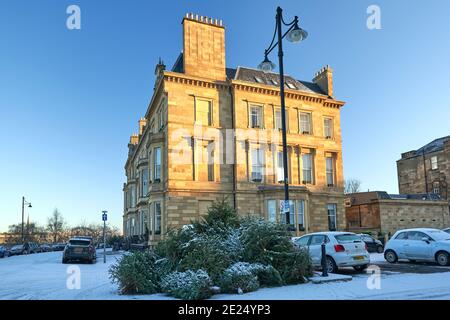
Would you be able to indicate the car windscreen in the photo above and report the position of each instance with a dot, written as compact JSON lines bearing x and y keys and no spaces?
{"x":348,"y":237}
{"x":79,"y":242}
{"x":439,"y":235}
{"x":17,"y":247}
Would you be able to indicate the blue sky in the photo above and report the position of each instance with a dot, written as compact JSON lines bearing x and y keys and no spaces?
{"x":69,"y":99}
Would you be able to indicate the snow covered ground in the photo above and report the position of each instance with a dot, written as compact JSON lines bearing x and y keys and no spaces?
{"x":43,"y":276}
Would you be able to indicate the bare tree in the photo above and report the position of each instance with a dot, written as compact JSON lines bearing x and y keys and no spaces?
{"x":352,"y":186}
{"x":55,"y":225}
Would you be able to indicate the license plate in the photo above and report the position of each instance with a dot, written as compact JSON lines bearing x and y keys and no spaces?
{"x":78,"y":250}
{"x":358,"y":258}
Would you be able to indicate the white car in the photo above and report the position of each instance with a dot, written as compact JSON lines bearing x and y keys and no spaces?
{"x":343,"y":249}
{"x":421,"y":244}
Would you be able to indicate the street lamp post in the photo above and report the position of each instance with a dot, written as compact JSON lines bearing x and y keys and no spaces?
{"x":24,"y":202}
{"x":294,"y":34}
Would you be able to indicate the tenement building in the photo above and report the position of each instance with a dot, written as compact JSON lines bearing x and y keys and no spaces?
{"x":426,"y":170}
{"x":212,"y":132}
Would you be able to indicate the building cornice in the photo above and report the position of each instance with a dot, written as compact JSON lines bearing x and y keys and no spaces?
{"x":195,"y":81}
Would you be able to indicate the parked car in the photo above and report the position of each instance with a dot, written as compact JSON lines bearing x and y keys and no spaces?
{"x":343,"y":249}
{"x":46,"y":247}
{"x":3,"y":252}
{"x":33,"y":247}
{"x":447,"y":230}
{"x":19,"y":249}
{"x":80,"y":249}
{"x":373,"y":245}
{"x":58,"y":247}
{"x":420,"y":244}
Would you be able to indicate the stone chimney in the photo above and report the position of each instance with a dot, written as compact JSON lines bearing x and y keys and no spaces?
{"x":324,"y":79}
{"x":203,"y":47}
{"x":134,"y":139}
{"x":142,"y":124}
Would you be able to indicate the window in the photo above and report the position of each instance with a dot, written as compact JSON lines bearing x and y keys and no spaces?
{"x":203,"y":112}
{"x":275,"y":82}
{"x":157,"y":165}
{"x":305,"y":123}
{"x":291,"y":85}
{"x":145,"y":229}
{"x":280,"y":167}
{"x":330,"y":171}
{"x":272,"y":210}
{"x":210,"y":159}
{"x":204,"y":160}
{"x":303,"y":241}
{"x":332,"y":223}
{"x":307,"y":168}
{"x":278,"y":123}
{"x":436,"y":190}
{"x":257,"y":164}
{"x":328,"y":128}
{"x":133,"y":196}
{"x":259,"y":80}
{"x":161,"y":119}
{"x":301,"y":214}
{"x":434,"y":163}
{"x":157,"y":217}
{"x":416,"y":235}
{"x":255,"y":117}
{"x":317,"y":240}
{"x":291,"y":213}
{"x":144,"y":182}
{"x":402,"y":236}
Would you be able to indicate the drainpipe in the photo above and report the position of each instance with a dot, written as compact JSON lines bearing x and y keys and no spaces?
{"x":234,"y":147}
{"x":425,"y":171}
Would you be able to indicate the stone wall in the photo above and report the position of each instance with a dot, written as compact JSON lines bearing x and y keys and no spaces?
{"x":404,"y":214}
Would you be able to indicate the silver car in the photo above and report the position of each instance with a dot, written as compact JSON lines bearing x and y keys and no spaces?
{"x":343,"y":249}
{"x":421,"y":244}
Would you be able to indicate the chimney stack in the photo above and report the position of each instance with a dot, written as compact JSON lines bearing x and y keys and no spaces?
{"x":324,"y":79}
{"x":142,"y":124}
{"x":203,"y":47}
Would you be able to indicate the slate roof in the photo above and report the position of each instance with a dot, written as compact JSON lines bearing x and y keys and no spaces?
{"x":368,"y":197}
{"x":260,"y":77}
{"x":435,"y":145}
{"x":273,"y":79}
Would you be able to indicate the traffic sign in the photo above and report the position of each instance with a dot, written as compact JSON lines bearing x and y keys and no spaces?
{"x":104,"y":217}
{"x":284,"y":206}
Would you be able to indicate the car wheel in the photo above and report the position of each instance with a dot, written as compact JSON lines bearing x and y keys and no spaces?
{"x":360,"y":268}
{"x":442,"y":258}
{"x":331,"y":265}
{"x":380,"y":249}
{"x":64,"y":261}
{"x":390,"y":256}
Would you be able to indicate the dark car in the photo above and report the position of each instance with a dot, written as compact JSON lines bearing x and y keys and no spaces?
{"x":79,"y":249}
{"x":34,"y":247}
{"x":3,"y":252}
{"x":46,"y":247}
{"x":19,"y":249}
{"x":58,"y":246}
{"x":373,"y":245}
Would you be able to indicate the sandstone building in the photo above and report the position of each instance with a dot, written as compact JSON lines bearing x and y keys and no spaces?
{"x":378,"y":211}
{"x":426,"y":170}
{"x":212,"y":132}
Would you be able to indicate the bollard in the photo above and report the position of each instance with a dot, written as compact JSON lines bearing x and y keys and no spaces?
{"x":324,"y":261}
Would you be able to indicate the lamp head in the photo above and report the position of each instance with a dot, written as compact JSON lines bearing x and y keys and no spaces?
{"x":266,"y":65}
{"x":297,"y":34}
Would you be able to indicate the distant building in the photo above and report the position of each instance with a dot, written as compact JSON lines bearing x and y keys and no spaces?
{"x":379,"y":211}
{"x":426,"y":170}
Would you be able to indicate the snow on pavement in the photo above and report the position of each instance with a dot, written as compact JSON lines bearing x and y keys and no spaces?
{"x":43,"y":276}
